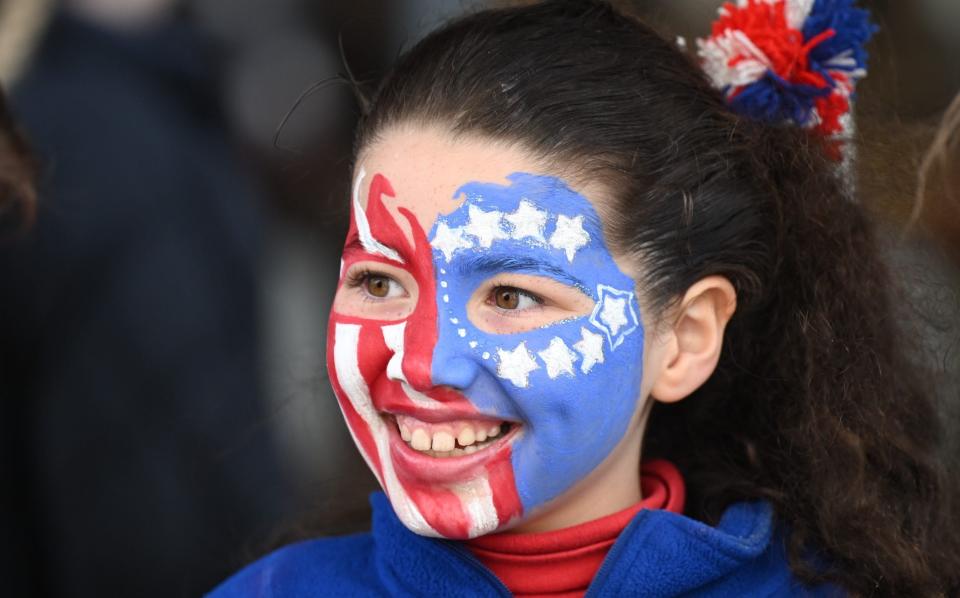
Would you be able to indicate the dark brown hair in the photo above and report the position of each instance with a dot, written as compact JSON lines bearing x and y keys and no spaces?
{"x":17,"y":172}
{"x":814,"y":405}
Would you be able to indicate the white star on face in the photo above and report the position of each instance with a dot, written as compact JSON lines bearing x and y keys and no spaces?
{"x":485,"y":226}
{"x":449,"y":240}
{"x":527,"y":221}
{"x":516,"y":365}
{"x":569,"y":235}
{"x":613,"y":314}
{"x":590,"y":346}
{"x":559,"y":358}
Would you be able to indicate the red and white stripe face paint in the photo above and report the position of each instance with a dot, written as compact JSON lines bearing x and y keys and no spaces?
{"x":380,"y":364}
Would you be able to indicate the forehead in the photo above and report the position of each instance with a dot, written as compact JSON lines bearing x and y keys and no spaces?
{"x":427,"y":166}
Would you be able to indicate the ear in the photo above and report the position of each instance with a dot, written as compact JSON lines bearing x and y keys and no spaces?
{"x":692,"y":343}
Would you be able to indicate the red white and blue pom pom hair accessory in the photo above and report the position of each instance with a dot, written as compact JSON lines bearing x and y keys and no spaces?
{"x":789,"y":60}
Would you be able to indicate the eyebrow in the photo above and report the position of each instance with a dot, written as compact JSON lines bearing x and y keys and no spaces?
{"x":355,"y":245}
{"x":491,"y":264}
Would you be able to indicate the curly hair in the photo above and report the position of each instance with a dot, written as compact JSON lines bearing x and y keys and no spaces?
{"x":815,"y":405}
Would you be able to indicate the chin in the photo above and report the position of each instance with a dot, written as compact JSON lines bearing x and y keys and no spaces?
{"x":453,"y":472}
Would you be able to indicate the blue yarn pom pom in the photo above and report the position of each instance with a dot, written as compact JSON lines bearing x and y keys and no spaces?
{"x":852,"y":30}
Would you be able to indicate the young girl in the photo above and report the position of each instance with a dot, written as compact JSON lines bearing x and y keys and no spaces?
{"x":567,"y":252}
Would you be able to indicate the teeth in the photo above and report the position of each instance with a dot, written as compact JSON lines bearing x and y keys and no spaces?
{"x":439,"y":440}
{"x":443,"y":441}
{"x":466,"y":437}
{"x":420,"y":440}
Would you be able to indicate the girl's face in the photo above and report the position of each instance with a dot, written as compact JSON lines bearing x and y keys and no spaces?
{"x":484,"y":345}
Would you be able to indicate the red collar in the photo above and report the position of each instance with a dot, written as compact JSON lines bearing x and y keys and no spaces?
{"x":562,"y":563}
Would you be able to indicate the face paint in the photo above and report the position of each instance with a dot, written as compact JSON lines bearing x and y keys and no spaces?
{"x":569,"y":388}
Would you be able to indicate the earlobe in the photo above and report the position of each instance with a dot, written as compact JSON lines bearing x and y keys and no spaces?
{"x":692,"y":345}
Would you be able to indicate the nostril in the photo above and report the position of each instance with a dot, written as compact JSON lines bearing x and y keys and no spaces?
{"x":395,"y":367}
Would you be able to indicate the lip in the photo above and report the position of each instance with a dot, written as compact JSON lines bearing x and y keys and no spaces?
{"x":414,"y":465}
{"x":389,"y":396}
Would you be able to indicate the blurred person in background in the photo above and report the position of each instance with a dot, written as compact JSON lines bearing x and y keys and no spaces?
{"x":934,"y":225}
{"x":17,"y":207}
{"x":937,"y":202}
{"x":18,"y":194}
{"x":129,"y":366}
{"x":907,"y":124}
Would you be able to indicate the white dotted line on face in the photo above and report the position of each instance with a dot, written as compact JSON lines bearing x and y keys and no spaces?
{"x":461,"y":332}
{"x":609,"y":316}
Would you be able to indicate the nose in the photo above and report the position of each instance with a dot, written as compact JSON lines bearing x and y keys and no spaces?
{"x":416,"y":367}
{"x":454,"y":371}
{"x":412,"y":355}
{"x":453,"y":364}
{"x":428,"y":365}
{"x":424,"y":370}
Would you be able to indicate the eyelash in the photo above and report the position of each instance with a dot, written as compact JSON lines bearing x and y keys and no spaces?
{"x":499,"y":285}
{"x":358,"y":279}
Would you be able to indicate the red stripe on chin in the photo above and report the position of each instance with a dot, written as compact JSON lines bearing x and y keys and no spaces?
{"x":504,"y":487}
{"x":441,"y":508}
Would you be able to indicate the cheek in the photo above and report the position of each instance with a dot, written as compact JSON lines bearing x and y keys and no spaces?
{"x":357,"y":356}
{"x":655,"y":353}
{"x":585,"y":408}
{"x":351,"y":390}
{"x":373,"y":353}
{"x":576,"y":421}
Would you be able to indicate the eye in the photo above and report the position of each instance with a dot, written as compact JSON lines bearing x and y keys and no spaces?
{"x":512,"y":298}
{"x":375,"y":285}
{"x":504,"y":305}
{"x":381,"y":287}
{"x":376,"y":291}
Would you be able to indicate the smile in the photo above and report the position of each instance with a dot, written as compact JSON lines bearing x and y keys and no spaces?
{"x":442,"y":451}
{"x":450,"y":439}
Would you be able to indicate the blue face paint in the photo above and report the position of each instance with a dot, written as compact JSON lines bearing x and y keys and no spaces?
{"x":574,"y":384}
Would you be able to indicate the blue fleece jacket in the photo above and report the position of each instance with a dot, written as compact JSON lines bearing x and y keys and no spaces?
{"x":658,"y":554}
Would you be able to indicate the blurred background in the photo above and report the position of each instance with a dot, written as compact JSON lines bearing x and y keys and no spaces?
{"x":165,"y":415}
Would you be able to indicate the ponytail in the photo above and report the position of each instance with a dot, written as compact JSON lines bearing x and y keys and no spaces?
{"x":814,"y":405}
